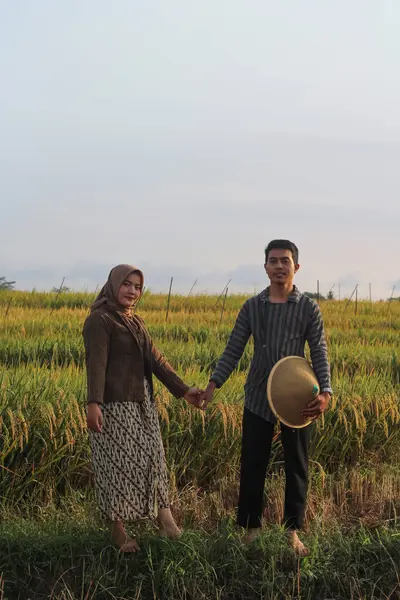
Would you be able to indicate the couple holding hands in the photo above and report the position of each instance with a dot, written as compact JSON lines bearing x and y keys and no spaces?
{"x":128,"y":458}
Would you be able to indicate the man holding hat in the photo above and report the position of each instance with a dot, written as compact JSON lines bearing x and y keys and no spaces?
{"x":281,"y":320}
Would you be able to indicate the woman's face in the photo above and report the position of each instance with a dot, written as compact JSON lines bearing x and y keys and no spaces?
{"x":130,"y":290}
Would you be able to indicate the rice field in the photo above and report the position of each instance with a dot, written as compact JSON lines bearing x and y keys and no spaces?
{"x":46,"y":488}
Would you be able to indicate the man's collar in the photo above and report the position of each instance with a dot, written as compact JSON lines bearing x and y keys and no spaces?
{"x":294,"y":296}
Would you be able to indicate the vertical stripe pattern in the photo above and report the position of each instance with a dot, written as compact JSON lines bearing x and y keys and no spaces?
{"x":278,"y":330}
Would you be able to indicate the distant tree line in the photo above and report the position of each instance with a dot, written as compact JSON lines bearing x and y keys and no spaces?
{"x":9,"y":285}
{"x":316,"y":296}
{"x":6,"y":285}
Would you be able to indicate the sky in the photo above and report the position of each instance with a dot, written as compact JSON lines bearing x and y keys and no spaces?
{"x":183,"y":136}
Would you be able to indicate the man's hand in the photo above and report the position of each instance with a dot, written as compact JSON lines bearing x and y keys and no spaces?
{"x":194,"y":396}
{"x":317,"y":406}
{"x":94,"y":417}
{"x":209,"y":393}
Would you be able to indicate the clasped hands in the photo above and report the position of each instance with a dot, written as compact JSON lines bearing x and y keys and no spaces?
{"x":200,"y":398}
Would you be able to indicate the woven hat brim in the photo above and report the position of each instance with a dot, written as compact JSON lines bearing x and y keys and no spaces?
{"x":291,"y":386}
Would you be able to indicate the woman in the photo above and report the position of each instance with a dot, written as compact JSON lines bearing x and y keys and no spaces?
{"x":127,"y":451}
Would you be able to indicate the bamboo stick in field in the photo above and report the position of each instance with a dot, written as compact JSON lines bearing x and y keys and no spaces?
{"x":187,"y":297}
{"x":8,"y":307}
{"x":349,"y":300}
{"x":390,"y":299}
{"x":223,"y":306}
{"x":318,"y":291}
{"x":356,"y":306}
{"x":169,"y":298}
{"x":93,"y":297}
{"x":222,"y":293}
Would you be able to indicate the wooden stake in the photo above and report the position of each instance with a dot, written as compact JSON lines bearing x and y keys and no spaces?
{"x":356,"y":306}
{"x":349,"y":300}
{"x":222,"y":293}
{"x":191,"y":290}
{"x":223,"y":306}
{"x":8,"y":307}
{"x":390,"y":299}
{"x":94,"y":297}
{"x":169,"y":298}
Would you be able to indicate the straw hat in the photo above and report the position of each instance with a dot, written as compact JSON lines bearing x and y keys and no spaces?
{"x":291,"y":386}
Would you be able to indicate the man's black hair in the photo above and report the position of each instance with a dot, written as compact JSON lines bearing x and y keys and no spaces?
{"x":283,"y":245}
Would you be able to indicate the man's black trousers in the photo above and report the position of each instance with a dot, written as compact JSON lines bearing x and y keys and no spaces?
{"x":256,"y":450}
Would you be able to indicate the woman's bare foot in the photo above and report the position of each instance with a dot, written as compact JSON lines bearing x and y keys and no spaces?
{"x":122,"y":539}
{"x":167,"y":526}
{"x":299,"y":548}
{"x":250,"y":535}
{"x":173,"y":532}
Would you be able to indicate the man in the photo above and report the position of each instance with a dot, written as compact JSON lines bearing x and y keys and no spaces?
{"x":281,"y":320}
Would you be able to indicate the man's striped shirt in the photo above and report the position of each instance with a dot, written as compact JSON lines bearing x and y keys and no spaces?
{"x":278,"y":330}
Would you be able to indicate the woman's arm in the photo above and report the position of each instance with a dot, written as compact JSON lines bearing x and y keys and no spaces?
{"x":96,"y":336}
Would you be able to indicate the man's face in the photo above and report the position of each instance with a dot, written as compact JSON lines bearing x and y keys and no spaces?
{"x":280,"y":266}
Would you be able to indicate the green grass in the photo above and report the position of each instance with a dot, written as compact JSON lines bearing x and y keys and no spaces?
{"x":68,"y":559}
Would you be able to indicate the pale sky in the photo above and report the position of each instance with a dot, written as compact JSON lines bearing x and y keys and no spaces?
{"x":183,"y":136}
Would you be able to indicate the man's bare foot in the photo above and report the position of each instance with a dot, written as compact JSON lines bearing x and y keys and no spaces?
{"x":122,"y":539}
{"x":299,"y":548}
{"x":167,"y":526}
{"x":251,"y":535}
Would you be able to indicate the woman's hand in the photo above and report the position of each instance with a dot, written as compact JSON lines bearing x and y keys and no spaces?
{"x":195,"y":396}
{"x":94,"y":417}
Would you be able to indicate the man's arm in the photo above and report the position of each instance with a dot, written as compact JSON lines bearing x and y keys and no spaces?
{"x":233,"y":351}
{"x":315,"y":336}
